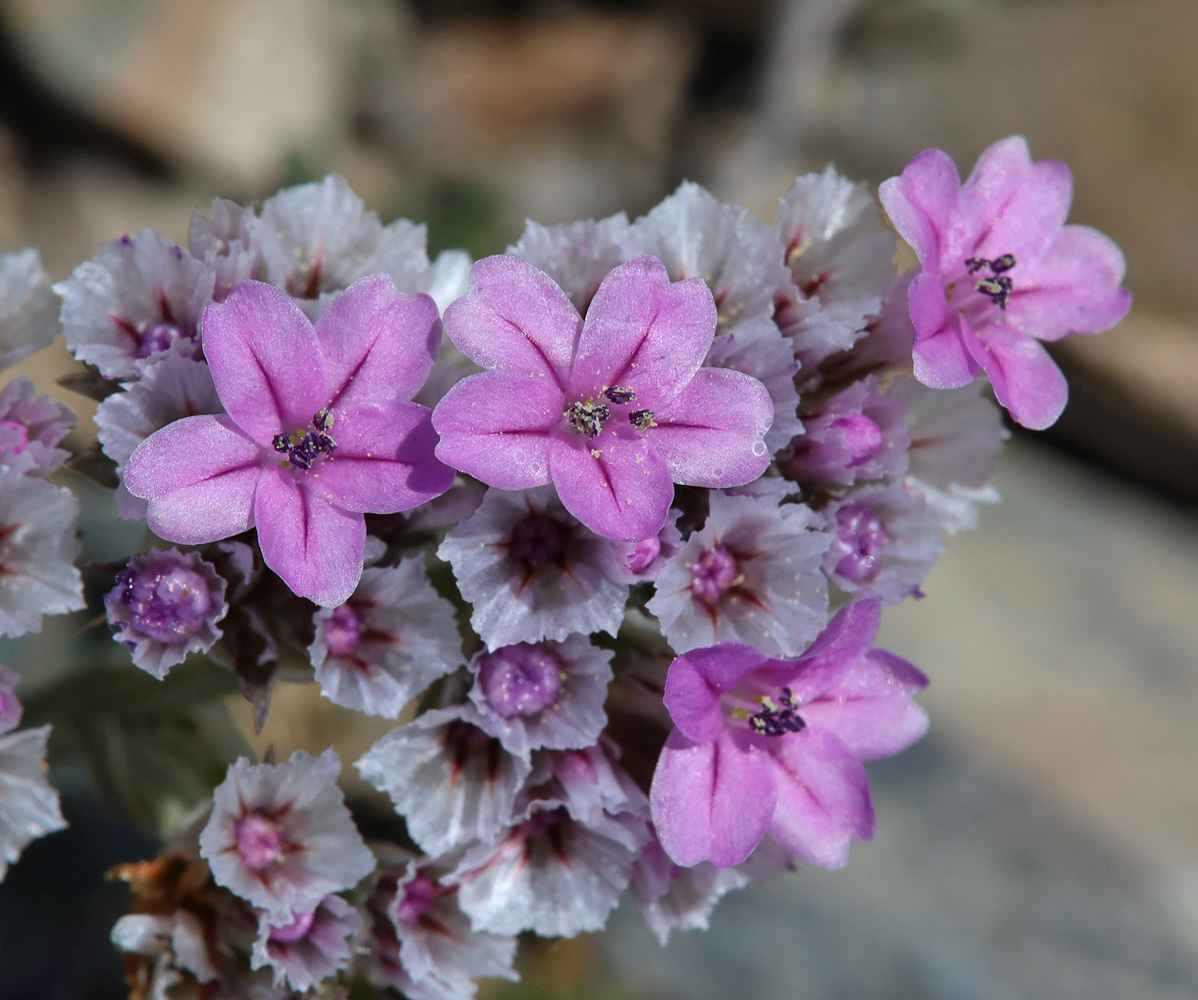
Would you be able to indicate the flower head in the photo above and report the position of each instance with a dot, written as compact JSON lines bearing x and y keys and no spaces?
{"x":765,"y":746}
{"x":281,"y":837}
{"x":1001,"y":272}
{"x":165,"y":605}
{"x":612,"y":410}
{"x":317,"y":431}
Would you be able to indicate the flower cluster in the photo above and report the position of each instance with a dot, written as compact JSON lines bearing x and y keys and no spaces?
{"x":606,"y":521}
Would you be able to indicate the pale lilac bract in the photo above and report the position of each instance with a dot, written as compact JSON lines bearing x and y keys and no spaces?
{"x":318,"y":431}
{"x":612,"y":410}
{"x":1001,"y":272}
{"x":767,"y":746}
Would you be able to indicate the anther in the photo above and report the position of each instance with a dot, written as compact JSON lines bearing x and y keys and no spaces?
{"x":997,"y":289}
{"x":587,"y":418}
{"x":619,"y":395}
{"x":642,"y":419}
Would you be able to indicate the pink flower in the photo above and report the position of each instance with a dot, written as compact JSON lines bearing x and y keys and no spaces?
{"x":1001,"y":271}
{"x":317,"y":432}
{"x":614,"y":410}
{"x":774,"y":747}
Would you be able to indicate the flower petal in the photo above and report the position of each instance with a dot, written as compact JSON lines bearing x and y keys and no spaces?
{"x":711,"y":801}
{"x":1025,"y":379}
{"x":868,"y":707}
{"x":921,"y":202}
{"x":941,"y":360}
{"x":384,"y":461}
{"x":1072,"y":288}
{"x":266,"y":361}
{"x":1010,"y":205}
{"x":495,"y":426}
{"x":514,"y":317}
{"x":711,"y":434}
{"x":313,"y":546}
{"x":199,"y":475}
{"x":643,"y":333}
{"x":822,"y":798}
{"x":378,"y":344}
{"x":697,"y":679}
{"x":615,"y":483}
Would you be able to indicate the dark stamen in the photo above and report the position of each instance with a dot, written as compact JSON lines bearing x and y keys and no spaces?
{"x":303,"y":447}
{"x":619,"y":395}
{"x":775,"y":719}
{"x":642,"y":419}
{"x":587,"y":418}
{"x":1003,"y":263}
{"x":998,"y":290}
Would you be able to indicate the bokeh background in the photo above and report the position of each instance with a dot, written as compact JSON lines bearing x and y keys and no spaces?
{"x":1043,"y":840}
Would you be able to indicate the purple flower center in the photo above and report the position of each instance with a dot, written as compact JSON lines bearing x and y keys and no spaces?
{"x":714,"y":574}
{"x":520,"y":680}
{"x":641,"y":558}
{"x":587,"y":416}
{"x":14,"y":437}
{"x":342,"y":631}
{"x":861,"y":537}
{"x":259,"y":841}
{"x":156,"y":336}
{"x":862,"y":437}
{"x":295,"y":929}
{"x":302,"y":448}
{"x":537,"y":540}
{"x":418,"y":896}
{"x":167,"y":603}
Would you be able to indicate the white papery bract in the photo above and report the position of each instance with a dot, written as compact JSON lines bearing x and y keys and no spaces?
{"x":387,"y":643}
{"x":533,"y":572}
{"x":420,"y":942}
{"x":696,"y":236}
{"x":577,"y":255}
{"x":560,"y":870}
{"x":310,"y":947}
{"x":751,"y":575}
{"x":28,"y":307}
{"x":38,"y":549}
{"x":839,"y":255}
{"x":136,"y":297}
{"x":280,"y":836}
{"x":452,"y":782}
{"x":956,"y":435}
{"x":29,"y":805}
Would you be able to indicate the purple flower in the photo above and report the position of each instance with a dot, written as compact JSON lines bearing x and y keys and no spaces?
{"x":305,"y":948}
{"x":549,"y":694}
{"x":317,"y":432}
{"x":614,"y":410}
{"x":387,"y":643}
{"x":1001,"y":272}
{"x":280,"y":835}
{"x":856,"y":435}
{"x":766,"y":746}
{"x":165,"y":605}
{"x":30,"y":427}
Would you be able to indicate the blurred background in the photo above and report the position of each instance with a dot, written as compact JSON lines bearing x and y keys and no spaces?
{"x":1043,"y":840}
